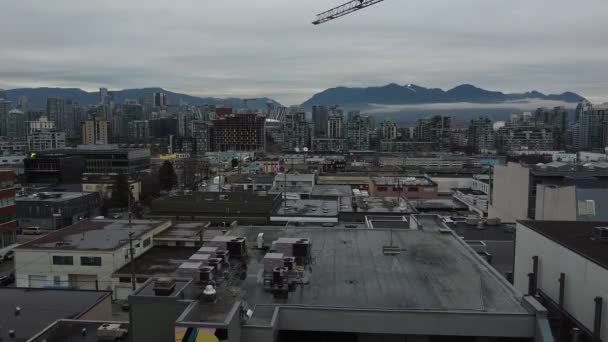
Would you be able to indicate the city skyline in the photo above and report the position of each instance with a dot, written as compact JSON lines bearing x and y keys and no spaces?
{"x":199,"y":48}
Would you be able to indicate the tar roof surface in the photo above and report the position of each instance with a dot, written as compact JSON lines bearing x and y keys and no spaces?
{"x":71,"y":330}
{"x":433,"y":272}
{"x":93,"y":235}
{"x":575,"y":236}
{"x":63,"y":196}
{"x":159,"y":261}
{"x":40,"y":308}
{"x":310,"y":207}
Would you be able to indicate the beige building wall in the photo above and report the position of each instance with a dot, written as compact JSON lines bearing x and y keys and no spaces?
{"x":510,"y":192}
{"x":555,"y":203}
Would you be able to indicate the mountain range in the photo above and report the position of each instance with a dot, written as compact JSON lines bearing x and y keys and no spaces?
{"x":350,"y":98}
{"x":394,"y":94}
{"x":37,"y":97}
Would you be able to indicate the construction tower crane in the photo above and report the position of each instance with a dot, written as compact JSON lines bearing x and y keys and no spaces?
{"x":344,"y":9}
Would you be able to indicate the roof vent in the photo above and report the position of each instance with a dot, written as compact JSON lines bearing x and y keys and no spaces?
{"x":600,"y":233}
{"x":164,"y":287}
{"x":114,"y":330}
{"x":11,"y":333}
{"x":17,"y":310}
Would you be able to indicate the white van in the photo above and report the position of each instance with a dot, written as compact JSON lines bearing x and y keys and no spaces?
{"x":32,"y":231}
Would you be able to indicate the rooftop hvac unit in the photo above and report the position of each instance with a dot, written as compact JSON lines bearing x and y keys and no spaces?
{"x":164,"y":287}
{"x":301,"y":248}
{"x":206,"y":274}
{"x":601,"y":233}
{"x":216,"y":263}
{"x":114,"y":330}
{"x":237,"y":247}
{"x":224,"y":255}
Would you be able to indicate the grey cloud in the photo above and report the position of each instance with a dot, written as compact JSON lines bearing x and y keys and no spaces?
{"x":269,"y":47}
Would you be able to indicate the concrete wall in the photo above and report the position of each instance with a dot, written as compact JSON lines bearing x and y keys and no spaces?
{"x":585,"y":280}
{"x":510,"y":192}
{"x":446,"y":184}
{"x":100,"y":312}
{"x":555,"y":203}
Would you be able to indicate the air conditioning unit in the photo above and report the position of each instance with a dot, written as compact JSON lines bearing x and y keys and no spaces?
{"x":114,"y":330}
{"x":600,"y":233}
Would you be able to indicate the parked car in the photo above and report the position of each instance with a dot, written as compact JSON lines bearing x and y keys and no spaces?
{"x":32,"y":231}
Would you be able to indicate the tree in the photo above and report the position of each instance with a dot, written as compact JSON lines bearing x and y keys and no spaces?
{"x":120,"y":192}
{"x":150,"y":187}
{"x":167,"y":176}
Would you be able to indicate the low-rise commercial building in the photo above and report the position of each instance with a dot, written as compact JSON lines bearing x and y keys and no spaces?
{"x":26,"y":312}
{"x":55,"y":210}
{"x":84,"y":255}
{"x":566,"y":265}
{"x":217,"y":207}
{"x":397,"y":186}
{"x":393,"y":292}
{"x":515,"y":186}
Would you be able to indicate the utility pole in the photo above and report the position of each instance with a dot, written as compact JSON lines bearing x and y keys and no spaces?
{"x":129,"y":202}
{"x":132,"y":252}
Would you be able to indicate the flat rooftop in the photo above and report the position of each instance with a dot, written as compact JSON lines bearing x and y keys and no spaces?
{"x":332,"y":191}
{"x":52,"y":196}
{"x":95,"y":235}
{"x":433,"y":271}
{"x":307,"y":207}
{"x":158,"y":262}
{"x":41,"y":307}
{"x":575,"y":236}
{"x":185,"y":231}
{"x":379,"y":205}
{"x":68,"y":330}
{"x":407,"y":181}
{"x":387,"y":222}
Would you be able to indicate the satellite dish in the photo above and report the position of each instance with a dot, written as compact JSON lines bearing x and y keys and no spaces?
{"x":297,"y":149}
{"x":305,"y":149}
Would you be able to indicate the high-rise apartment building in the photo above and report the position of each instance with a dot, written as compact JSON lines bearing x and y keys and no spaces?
{"x":319,"y":120}
{"x":139,"y":131}
{"x":357,"y":133}
{"x":15,"y":123}
{"x":435,"y":129}
{"x":297,"y":131}
{"x":594,"y":127}
{"x":481,"y":134}
{"x":335,"y":124}
{"x":388,"y":129}
{"x":5,"y":107}
{"x":94,"y":131}
{"x":238,"y":132}
{"x":42,"y":140}
{"x":201,"y":134}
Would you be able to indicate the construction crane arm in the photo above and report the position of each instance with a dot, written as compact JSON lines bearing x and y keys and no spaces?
{"x":344,"y":9}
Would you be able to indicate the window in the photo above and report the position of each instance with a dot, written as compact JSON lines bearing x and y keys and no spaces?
{"x":180,"y":243}
{"x":63,"y":260}
{"x":124,"y":279}
{"x":90,"y":261}
{"x":57,"y":281}
{"x":412,"y":189}
{"x":147,"y":242}
{"x":382,"y":188}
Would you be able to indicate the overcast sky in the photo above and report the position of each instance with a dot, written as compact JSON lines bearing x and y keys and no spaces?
{"x":269,"y":48}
